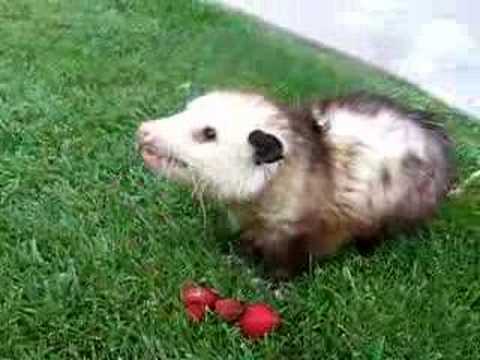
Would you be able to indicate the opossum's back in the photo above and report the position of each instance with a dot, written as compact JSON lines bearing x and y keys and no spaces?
{"x":398,"y":166}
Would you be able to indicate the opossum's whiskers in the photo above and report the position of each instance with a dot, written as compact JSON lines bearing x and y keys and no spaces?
{"x":198,"y":192}
{"x":195,"y":184}
{"x":202,"y":204}
{"x":199,"y":195}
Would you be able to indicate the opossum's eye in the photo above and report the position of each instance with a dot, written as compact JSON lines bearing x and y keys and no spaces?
{"x":268,"y":148}
{"x":209,"y":133}
{"x":206,"y":134}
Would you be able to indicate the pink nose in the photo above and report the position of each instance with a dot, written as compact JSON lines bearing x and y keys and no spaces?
{"x":149,"y":141}
{"x":144,"y":134}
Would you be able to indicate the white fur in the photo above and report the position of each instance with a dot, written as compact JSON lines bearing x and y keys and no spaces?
{"x":382,"y":142}
{"x":224,"y":166}
{"x":381,"y":165}
{"x":386,"y":134}
{"x":226,"y":169}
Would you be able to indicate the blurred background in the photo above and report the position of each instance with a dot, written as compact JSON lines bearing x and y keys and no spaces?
{"x":434,"y":44}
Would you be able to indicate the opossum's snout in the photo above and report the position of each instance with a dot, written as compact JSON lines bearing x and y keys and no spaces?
{"x":155,"y":150}
{"x":145,"y":136}
{"x":143,"y":133}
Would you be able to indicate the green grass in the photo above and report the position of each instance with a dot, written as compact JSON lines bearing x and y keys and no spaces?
{"x":93,"y":248}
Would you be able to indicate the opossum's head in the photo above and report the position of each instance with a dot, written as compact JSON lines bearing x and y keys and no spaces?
{"x":227,"y":143}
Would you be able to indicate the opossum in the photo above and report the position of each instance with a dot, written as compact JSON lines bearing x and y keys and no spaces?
{"x":302,"y":181}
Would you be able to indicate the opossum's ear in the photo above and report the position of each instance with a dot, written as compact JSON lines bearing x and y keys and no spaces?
{"x":268,"y":148}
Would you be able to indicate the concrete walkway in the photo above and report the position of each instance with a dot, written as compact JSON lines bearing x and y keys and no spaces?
{"x":434,"y":44}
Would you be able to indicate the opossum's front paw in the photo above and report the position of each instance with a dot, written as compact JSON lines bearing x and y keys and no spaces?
{"x":286,"y":258}
{"x":281,"y":274}
{"x":280,"y":270}
{"x":250,"y":246}
{"x":366,"y":245}
{"x":282,"y":258}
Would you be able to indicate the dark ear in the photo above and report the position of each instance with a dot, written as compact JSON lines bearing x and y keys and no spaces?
{"x":268,"y":149}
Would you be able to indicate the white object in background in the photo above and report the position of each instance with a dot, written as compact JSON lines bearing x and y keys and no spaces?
{"x":434,"y":44}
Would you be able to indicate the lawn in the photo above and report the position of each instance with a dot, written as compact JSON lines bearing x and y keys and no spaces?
{"x":93,"y":248}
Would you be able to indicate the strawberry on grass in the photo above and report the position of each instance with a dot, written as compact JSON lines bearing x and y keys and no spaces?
{"x":229,"y":309}
{"x":259,"y":320}
{"x":197,"y":300}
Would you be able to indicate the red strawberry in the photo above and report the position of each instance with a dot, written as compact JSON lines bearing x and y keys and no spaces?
{"x":195,"y":312}
{"x":258,"y":320}
{"x":229,"y":309}
{"x":192,"y":294}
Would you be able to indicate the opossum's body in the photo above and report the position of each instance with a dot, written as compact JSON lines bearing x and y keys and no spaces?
{"x":305,"y":181}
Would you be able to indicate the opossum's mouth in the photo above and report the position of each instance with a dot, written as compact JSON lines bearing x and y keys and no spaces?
{"x":157,"y":160}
